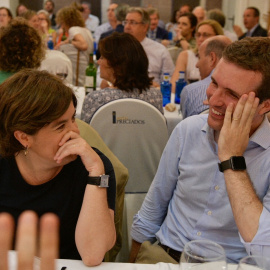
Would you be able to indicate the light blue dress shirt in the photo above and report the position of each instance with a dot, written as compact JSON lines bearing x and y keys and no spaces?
{"x":192,"y":97}
{"x":188,"y":199}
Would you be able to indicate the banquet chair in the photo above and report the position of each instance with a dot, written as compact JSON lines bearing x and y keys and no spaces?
{"x":121,"y":176}
{"x":136,"y":133}
{"x":57,"y":62}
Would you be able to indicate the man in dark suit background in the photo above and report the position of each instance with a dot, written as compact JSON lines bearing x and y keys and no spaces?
{"x":251,"y":21}
{"x":155,"y":32}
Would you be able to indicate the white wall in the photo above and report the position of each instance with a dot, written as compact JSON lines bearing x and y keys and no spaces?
{"x":11,"y":4}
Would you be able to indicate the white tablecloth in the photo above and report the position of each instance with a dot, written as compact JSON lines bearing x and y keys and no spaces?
{"x":78,"y":265}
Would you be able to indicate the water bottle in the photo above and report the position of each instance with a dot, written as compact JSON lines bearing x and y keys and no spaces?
{"x":179,"y":85}
{"x":50,"y":43}
{"x":166,"y":88}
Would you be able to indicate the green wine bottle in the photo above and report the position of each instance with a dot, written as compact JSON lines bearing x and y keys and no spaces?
{"x":90,"y":76}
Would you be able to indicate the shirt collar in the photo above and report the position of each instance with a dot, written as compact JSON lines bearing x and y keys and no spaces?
{"x":260,"y":136}
{"x":253,"y":29}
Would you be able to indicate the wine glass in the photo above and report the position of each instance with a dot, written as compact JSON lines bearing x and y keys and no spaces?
{"x":254,"y":263}
{"x":62,"y":71}
{"x":203,"y":255}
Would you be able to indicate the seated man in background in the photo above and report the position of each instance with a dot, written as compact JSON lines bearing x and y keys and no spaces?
{"x":213,"y":177}
{"x":193,"y":95}
{"x":91,"y":21}
{"x":160,"y":61}
{"x":251,"y":19}
{"x":155,"y":32}
{"x":200,"y":13}
{"x":111,"y":24}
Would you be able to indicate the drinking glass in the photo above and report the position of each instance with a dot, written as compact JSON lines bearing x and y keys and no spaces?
{"x":62,"y":71}
{"x":203,"y":255}
{"x":254,"y":263}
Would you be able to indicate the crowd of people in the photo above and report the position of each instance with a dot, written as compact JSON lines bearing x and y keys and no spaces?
{"x":213,"y":178}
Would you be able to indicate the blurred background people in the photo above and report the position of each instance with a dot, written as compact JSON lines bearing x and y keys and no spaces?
{"x":45,"y":26}
{"x":49,"y":7}
{"x":91,"y":21}
{"x":21,"y":8}
{"x":80,"y":41}
{"x":124,"y":64}
{"x":5,"y":16}
{"x":188,"y":59}
{"x":186,"y":8}
{"x":172,"y":25}
{"x":137,"y":23}
{"x":217,"y":15}
{"x":251,"y":20}
{"x":155,"y":32}
{"x":32,"y":18}
{"x":200,"y":13}
{"x":111,"y":24}
{"x":185,"y":33}
{"x":27,"y":52}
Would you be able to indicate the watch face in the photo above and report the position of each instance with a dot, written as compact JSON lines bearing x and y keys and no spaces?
{"x":238,"y":163}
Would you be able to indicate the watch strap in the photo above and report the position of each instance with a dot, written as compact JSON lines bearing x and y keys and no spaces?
{"x":100,"y":181}
{"x":236,"y":163}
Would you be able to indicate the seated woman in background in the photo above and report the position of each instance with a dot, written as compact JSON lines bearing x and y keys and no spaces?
{"x":124,"y":64}
{"x":79,"y":40}
{"x":45,"y":26}
{"x":27,"y":52}
{"x":185,"y":31}
{"x":188,"y":59}
{"x":32,"y":18}
{"x":5,"y":16}
{"x":46,"y":166}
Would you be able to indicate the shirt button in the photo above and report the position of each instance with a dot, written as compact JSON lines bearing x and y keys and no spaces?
{"x":209,"y":213}
{"x":199,"y":233}
{"x":216,"y":187}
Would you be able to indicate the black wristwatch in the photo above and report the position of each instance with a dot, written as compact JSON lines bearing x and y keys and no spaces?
{"x":236,"y":163}
{"x":101,"y":181}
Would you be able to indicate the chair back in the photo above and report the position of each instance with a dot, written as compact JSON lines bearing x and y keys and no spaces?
{"x":136,"y":133}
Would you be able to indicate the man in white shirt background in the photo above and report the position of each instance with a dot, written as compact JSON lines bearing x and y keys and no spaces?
{"x":137,"y":24}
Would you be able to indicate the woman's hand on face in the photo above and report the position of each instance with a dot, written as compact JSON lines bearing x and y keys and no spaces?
{"x":72,"y":145}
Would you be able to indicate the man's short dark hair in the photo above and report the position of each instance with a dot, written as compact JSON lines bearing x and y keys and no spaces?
{"x":252,"y":53}
{"x":256,"y":11}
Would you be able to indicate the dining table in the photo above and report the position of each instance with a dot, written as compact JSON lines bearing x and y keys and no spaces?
{"x":63,"y":264}
{"x":172,"y":118}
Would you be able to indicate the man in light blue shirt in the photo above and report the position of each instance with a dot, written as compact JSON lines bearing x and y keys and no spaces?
{"x":192,"y":197}
{"x":111,"y":24}
{"x":193,"y":95}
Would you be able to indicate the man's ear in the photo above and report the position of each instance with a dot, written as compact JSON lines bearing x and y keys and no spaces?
{"x":264,"y":107}
{"x":214,"y":60}
{"x":22,"y":137}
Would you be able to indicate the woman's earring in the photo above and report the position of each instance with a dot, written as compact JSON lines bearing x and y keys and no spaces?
{"x":26,"y":150}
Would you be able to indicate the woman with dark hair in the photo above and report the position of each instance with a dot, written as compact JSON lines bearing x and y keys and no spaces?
{"x":5,"y":16}
{"x":186,"y":31}
{"x":124,"y":64}
{"x":46,"y":166}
